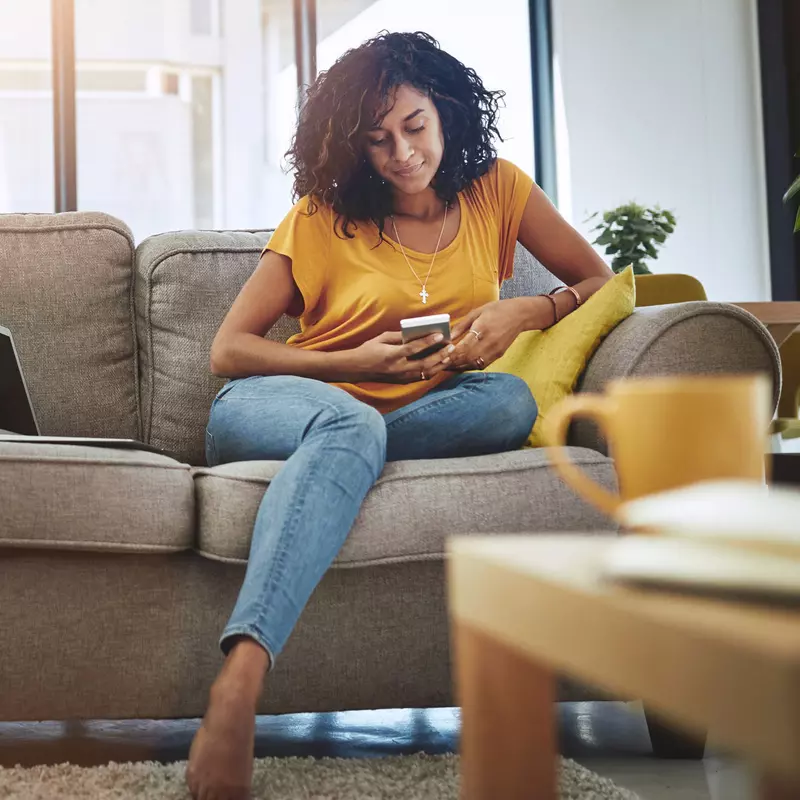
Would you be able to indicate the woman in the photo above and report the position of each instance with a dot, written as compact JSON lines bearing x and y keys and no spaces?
{"x":404,"y":211}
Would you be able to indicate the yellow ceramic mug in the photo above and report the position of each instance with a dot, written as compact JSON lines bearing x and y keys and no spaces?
{"x":668,"y":432}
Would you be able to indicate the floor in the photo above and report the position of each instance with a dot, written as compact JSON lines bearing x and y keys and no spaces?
{"x":610,"y":738}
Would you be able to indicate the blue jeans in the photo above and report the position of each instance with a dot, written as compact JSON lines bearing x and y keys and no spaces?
{"x":335,"y":448}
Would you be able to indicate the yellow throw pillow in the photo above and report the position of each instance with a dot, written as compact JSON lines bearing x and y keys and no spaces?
{"x":551,"y":361}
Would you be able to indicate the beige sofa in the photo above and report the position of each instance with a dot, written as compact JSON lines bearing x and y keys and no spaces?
{"x":118,"y":568}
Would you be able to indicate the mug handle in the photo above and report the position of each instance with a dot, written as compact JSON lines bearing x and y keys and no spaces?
{"x":559,"y":418}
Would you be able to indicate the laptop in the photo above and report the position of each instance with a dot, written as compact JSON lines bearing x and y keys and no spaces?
{"x":18,"y":419}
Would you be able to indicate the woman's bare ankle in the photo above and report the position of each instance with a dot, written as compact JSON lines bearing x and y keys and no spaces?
{"x":243,"y":673}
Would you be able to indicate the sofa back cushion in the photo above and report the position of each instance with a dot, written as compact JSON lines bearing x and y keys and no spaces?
{"x":66,"y":295}
{"x":185,"y":284}
{"x":530,"y":277}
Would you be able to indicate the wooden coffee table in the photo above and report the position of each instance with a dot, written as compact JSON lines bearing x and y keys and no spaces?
{"x":525,"y":608}
{"x":781,"y":318}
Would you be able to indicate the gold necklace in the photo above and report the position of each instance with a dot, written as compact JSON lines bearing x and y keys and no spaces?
{"x":424,"y":293}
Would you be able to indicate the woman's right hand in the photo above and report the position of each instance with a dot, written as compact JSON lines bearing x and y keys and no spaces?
{"x":385,"y":359}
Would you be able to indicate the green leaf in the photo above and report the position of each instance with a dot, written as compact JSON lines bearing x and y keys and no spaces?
{"x":619,"y":264}
{"x":632,"y":234}
{"x":792,"y":190}
{"x":797,"y":222}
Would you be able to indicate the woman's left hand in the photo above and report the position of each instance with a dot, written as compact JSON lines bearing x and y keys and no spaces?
{"x":485,"y":334}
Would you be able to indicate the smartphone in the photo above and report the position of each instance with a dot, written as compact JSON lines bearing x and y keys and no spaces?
{"x":419,"y":327}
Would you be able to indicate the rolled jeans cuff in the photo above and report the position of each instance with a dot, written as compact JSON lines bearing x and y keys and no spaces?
{"x":252,"y":633}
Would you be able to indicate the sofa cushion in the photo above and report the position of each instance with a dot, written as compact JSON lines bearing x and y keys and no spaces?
{"x":414,"y":505}
{"x":66,"y":295}
{"x":72,"y":497}
{"x":185,"y":284}
{"x":530,"y":277}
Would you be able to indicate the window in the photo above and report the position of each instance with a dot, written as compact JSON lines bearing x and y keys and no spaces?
{"x":202,"y":89}
{"x":185,"y":109}
{"x":26,"y":108}
{"x":203,"y":15}
{"x":278,"y":91}
{"x":148,"y":111}
{"x":178,"y":125}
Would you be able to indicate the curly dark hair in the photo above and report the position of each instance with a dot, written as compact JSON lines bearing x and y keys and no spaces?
{"x":327,"y":152}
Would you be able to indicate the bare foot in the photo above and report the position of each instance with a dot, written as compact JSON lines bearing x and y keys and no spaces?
{"x":221,"y":757}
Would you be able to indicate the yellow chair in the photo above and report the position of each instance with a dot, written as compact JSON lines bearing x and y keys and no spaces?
{"x":787,"y":423}
{"x":658,"y":290}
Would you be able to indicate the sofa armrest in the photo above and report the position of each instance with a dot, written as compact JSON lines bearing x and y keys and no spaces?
{"x":681,"y":339}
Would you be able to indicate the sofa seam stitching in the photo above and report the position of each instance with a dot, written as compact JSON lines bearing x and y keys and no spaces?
{"x":203,"y":472}
{"x":92,"y":226}
{"x":178,"y":466}
{"x":40,"y":544}
{"x":132,"y":310}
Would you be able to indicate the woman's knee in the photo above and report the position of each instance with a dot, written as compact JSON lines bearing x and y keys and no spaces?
{"x":515,"y":406}
{"x":363,"y":426}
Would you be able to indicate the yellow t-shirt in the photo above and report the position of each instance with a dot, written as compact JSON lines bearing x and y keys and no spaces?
{"x":353,"y":291}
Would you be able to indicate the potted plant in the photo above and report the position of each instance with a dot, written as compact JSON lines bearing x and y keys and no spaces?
{"x":632,"y":234}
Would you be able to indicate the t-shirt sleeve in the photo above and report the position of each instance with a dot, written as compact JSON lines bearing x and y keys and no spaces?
{"x":306,"y":240}
{"x":512,"y":188}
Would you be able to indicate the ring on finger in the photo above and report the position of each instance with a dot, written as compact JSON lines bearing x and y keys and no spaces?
{"x":480,"y":362}
{"x":422,"y":375}
{"x":478,"y":334}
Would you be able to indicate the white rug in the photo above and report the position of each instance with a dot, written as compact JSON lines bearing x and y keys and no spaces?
{"x":418,"y":777}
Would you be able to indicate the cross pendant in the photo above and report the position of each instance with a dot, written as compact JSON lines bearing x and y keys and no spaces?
{"x":424,"y":295}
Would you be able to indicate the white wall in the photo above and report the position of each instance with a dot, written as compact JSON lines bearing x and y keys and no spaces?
{"x":661,"y":104}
